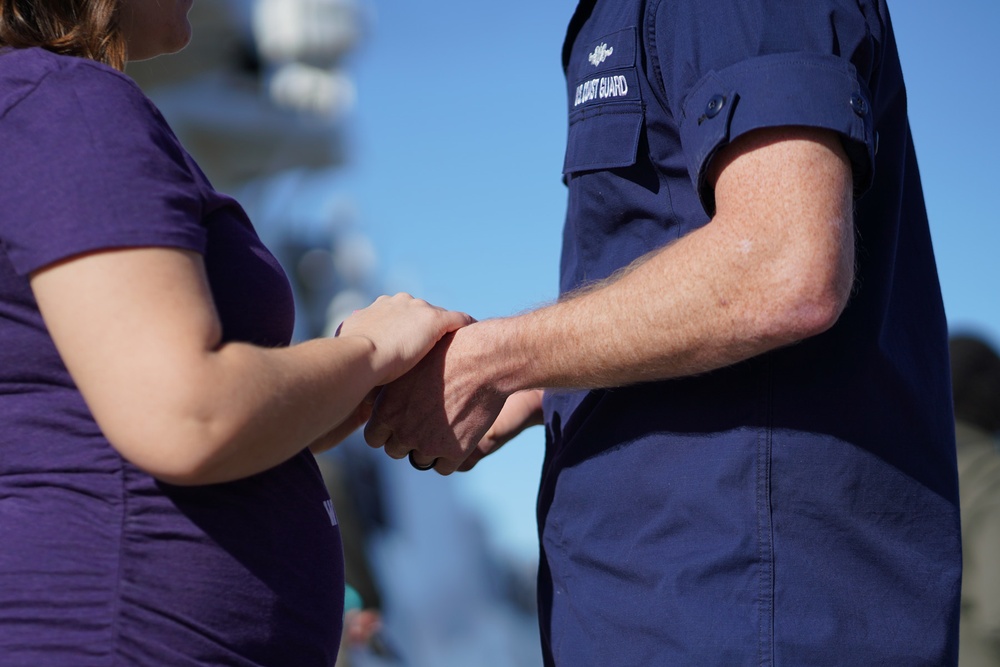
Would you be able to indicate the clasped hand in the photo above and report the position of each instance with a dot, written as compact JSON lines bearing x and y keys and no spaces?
{"x":433,"y":400}
{"x":444,"y":413}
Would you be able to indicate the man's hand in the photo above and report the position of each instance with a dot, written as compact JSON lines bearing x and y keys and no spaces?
{"x":442,"y":408}
{"x":774,"y":266}
{"x":521,"y":411}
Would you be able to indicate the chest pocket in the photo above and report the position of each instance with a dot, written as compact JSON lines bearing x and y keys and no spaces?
{"x":605,"y":104}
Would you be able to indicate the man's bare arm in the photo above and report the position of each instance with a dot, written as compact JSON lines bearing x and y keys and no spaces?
{"x":774,"y":266}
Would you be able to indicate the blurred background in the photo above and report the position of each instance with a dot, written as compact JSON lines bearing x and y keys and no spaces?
{"x":385,"y":146}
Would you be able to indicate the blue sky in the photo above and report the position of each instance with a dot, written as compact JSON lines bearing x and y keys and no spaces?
{"x":458,"y":139}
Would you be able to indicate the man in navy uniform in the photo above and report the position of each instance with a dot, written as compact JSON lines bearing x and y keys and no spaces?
{"x":750,"y":452}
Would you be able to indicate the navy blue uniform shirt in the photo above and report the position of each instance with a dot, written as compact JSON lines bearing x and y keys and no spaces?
{"x":799,"y":508}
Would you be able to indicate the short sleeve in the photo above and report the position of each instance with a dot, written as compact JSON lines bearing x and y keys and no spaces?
{"x":90,"y":164}
{"x":727,"y":68}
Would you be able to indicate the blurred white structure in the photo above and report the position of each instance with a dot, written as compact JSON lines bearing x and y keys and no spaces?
{"x":261,"y":89}
{"x":319,"y":32}
{"x":304,"y":41}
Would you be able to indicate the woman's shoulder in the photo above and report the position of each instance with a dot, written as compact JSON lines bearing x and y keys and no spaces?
{"x":35,"y":71}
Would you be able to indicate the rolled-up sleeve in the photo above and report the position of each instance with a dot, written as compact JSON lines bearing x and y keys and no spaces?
{"x":726,"y":70}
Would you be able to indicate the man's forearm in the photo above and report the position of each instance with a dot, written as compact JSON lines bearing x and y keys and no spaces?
{"x":634,"y":330}
{"x":750,"y":281}
{"x":773,"y":266}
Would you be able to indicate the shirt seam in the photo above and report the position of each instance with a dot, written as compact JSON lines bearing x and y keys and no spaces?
{"x":652,"y":56}
{"x":117,"y":602}
{"x":765,"y":538}
{"x":27,"y":94}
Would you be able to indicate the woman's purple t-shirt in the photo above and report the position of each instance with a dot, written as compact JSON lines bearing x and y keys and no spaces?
{"x":100,"y":564}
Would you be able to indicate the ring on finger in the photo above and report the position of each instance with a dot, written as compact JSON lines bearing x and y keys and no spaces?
{"x":416,"y":465}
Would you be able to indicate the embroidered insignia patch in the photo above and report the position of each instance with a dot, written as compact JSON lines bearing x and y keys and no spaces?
{"x":600,"y":54}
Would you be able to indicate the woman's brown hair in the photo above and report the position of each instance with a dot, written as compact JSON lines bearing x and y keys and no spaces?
{"x":83,"y":28}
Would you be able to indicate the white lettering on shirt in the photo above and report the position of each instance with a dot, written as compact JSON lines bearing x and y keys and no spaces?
{"x":602,"y":88}
{"x":328,"y":506}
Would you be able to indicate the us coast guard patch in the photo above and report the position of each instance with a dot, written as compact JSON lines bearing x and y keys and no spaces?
{"x":602,"y":88}
{"x":604,"y":91}
{"x":607,"y":73}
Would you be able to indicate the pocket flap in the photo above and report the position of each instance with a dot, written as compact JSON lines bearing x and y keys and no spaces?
{"x":607,"y":139}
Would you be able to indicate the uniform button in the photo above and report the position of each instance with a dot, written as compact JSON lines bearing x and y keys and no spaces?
{"x":858,"y":104}
{"x":715,"y":106}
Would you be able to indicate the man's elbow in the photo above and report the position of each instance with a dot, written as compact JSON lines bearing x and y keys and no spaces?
{"x":815,"y":316}
{"x":810,"y":305}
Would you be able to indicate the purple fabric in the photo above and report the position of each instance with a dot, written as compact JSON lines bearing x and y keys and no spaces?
{"x":100,"y":564}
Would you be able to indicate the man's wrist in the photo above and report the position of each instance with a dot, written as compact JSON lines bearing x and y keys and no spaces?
{"x":488,"y":348}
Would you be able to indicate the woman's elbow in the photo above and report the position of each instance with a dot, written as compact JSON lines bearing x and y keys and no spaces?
{"x":175,"y":454}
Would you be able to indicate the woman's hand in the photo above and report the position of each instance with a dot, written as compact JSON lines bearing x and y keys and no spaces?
{"x":189,"y":408}
{"x":403,"y":330}
{"x":352,"y":423}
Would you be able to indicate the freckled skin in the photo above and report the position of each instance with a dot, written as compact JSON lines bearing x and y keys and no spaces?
{"x":774,"y":266}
